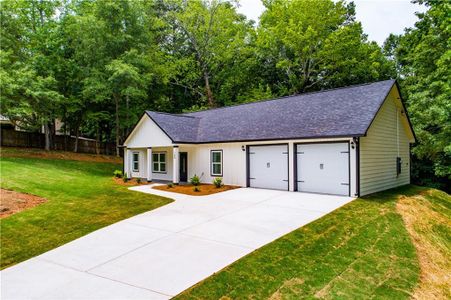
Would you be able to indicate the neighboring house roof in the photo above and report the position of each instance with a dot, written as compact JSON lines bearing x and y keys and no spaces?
{"x":5,"y":120}
{"x":339,"y":112}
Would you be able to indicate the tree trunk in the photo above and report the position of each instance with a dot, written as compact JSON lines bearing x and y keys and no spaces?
{"x":47,"y":136}
{"x":127,"y":102}
{"x":211,"y":101}
{"x":65,"y":130}
{"x":77,"y":134}
{"x":116,"y":101}
{"x":97,"y":140}
{"x":52,"y":130}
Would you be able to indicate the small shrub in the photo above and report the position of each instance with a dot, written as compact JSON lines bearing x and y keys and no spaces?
{"x":125,"y":179}
{"x":118,"y":174}
{"x":138,"y":180}
{"x":195,"y":180}
{"x":170,"y":185}
{"x":217,"y":182}
{"x":196,"y":189}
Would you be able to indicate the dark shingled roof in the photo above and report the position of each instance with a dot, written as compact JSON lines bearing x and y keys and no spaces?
{"x":340,"y":112}
{"x":177,"y":127}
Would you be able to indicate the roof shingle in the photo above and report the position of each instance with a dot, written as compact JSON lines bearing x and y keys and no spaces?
{"x":345,"y":111}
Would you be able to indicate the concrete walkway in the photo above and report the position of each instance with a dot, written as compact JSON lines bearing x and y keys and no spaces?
{"x":160,"y":253}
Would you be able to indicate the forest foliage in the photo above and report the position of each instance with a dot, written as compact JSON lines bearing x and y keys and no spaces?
{"x":97,"y":65}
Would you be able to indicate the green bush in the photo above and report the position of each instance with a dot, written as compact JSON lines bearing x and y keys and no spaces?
{"x":118,"y":174}
{"x":170,"y":185}
{"x":125,"y":179}
{"x":196,"y":189}
{"x":138,"y":180}
{"x":195,"y":180}
{"x":218,"y":182}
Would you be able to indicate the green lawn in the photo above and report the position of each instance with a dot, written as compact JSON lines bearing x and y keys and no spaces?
{"x":360,"y":251}
{"x":82,"y":197}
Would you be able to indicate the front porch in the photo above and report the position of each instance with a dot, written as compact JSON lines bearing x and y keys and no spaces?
{"x":157,"y":164}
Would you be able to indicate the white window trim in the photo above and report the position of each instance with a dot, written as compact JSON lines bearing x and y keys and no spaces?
{"x":133,"y":161}
{"x":212,"y":173}
{"x":159,"y":162}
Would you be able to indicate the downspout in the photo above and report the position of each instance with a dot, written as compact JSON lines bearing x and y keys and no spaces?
{"x":357,"y":143}
{"x":398,"y":158}
{"x":123,"y":161}
{"x":397,"y":129}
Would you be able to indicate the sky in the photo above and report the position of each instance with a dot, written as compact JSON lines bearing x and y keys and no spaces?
{"x":379,"y":18}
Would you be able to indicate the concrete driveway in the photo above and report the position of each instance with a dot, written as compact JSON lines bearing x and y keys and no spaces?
{"x":160,"y":253}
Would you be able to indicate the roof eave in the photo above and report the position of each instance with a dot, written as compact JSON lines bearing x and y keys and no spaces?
{"x":273,"y":139}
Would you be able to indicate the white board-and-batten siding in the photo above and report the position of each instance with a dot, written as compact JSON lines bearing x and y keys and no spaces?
{"x":147,"y":134}
{"x":386,"y":139}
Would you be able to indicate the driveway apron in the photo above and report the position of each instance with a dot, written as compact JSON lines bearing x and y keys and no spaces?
{"x":160,"y":253}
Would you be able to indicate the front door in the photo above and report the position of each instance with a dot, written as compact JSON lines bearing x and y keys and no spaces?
{"x":183,"y":166}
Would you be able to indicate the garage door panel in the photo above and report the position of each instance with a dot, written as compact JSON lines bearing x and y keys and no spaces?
{"x":268,"y":167}
{"x":323,"y":168}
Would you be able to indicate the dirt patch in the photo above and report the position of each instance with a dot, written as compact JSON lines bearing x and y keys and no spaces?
{"x":66,"y":155}
{"x":204,"y":189}
{"x":14,"y":202}
{"x":130,"y":182}
{"x":433,"y":255}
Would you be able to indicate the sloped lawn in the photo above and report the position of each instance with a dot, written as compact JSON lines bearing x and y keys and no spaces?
{"x":360,"y":251}
{"x":81,"y":197}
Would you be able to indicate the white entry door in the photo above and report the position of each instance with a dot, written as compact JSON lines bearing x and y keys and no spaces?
{"x":268,"y":167}
{"x":323,"y":168}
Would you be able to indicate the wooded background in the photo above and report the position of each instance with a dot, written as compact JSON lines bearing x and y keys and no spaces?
{"x":97,"y":65}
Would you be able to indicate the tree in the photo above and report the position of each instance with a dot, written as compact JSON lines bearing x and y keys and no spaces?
{"x":113,"y":48}
{"x":315,"y":44}
{"x":28,"y":40}
{"x":423,"y":56}
{"x":205,"y":37}
{"x":124,"y":81}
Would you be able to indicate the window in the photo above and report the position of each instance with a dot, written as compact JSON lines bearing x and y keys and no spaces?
{"x":216,"y":163}
{"x":159,"y":162}
{"x":135,"y":161}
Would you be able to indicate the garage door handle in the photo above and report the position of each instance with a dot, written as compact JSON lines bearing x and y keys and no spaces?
{"x":300,"y":181}
{"x":345,"y":184}
{"x":285,"y":180}
{"x":251,"y":178}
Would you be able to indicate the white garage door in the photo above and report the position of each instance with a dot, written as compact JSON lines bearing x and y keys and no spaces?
{"x":323,"y":168}
{"x":268,"y":167}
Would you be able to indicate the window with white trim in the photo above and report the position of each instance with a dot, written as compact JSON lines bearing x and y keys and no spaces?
{"x":216,"y":162}
{"x":135,"y":161}
{"x":159,"y":162}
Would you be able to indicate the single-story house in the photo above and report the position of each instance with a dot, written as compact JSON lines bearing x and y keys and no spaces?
{"x":346,"y":141}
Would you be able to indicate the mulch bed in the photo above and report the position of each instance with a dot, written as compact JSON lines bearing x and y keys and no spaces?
{"x":130,"y":182}
{"x":204,"y":189}
{"x":14,"y":202}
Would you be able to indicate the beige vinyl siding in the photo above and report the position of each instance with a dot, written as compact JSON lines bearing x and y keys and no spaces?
{"x":379,"y":150}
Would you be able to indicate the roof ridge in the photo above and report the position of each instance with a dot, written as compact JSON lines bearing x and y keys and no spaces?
{"x":173,"y":115}
{"x":288,"y":96}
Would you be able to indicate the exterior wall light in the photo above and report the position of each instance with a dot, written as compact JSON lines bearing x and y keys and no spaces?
{"x":243,"y":148}
{"x":353,"y":142}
